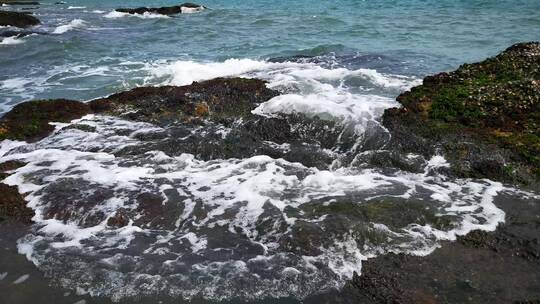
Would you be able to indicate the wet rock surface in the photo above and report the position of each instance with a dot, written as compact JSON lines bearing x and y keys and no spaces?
{"x":210,"y":119}
{"x":481,"y":267}
{"x":17,"y":19}
{"x":30,"y":120}
{"x":168,"y":10}
{"x":12,"y":203}
{"x":213,"y":120}
{"x":215,"y":99}
{"x":483,"y":117}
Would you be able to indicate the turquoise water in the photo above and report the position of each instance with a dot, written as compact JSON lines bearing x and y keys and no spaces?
{"x":104,"y":55}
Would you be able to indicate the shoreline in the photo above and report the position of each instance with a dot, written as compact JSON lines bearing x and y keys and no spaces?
{"x":455,"y":272}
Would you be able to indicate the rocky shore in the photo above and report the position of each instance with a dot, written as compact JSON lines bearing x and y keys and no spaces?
{"x":484,"y":118}
{"x":17,"y":19}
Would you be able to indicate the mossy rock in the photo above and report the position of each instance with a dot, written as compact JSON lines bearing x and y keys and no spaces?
{"x":215,"y":99}
{"x":12,"y":204}
{"x":493,"y":104}
{"x":394,"y":213}
{"x":29,"y":121}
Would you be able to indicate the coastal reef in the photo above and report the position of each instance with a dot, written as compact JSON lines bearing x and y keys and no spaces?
{"x":483,"y":117}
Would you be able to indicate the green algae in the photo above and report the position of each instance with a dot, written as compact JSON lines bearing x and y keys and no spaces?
{"x":496,"y":101}
{"x":30,"y":121}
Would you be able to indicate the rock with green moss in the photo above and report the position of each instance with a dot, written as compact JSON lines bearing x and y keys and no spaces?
{"x":214,"y":99}
{"x":484,"y":117}
{"x":12,"y":203}
{"x":30,"y":121}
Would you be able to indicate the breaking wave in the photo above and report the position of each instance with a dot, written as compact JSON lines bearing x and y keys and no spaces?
{"x":74,"y":24}
{"x":146,"y":15}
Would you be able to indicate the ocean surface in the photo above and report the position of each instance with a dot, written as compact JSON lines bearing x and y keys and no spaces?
{"x":89,"y":53}
{"x":342,"y":61}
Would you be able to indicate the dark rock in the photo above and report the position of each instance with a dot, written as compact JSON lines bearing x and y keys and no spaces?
{"x":10,"y":2}
{"x":213,"y":105}
{"x":169,"y":10}
{"x":119,"y":219}
{"x":12,"y":204}
{"x":214,"y":99}
{"x":17,"y":19}
{"x":30,"y":120}
{"x":481,"y":267}
{"x":483,"y":117}
{"x":216,"y":105}
{"x":10,"y":165}
{"x":19,"y":34}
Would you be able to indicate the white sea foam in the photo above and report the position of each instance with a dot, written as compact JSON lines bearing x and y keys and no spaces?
{"x":14,"y":84}
{"x":315,"y":90}
{"x":234,"y":195}
{"x":146,"y":15}
{"x":76,"y":7}
{"x":74,"y":24}
{"x":11,"y":41}
{"x":192,"y":10}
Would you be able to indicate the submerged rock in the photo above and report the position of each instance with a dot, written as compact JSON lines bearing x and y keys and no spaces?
{"x":17,"y":19}
{"x":483,"y":117}
{"x":185,"y":8}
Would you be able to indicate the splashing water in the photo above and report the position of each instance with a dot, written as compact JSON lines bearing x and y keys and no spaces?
{"x":119,"y":224}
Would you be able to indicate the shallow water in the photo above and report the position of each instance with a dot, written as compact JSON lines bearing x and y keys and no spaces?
{"x":258,"y":226}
